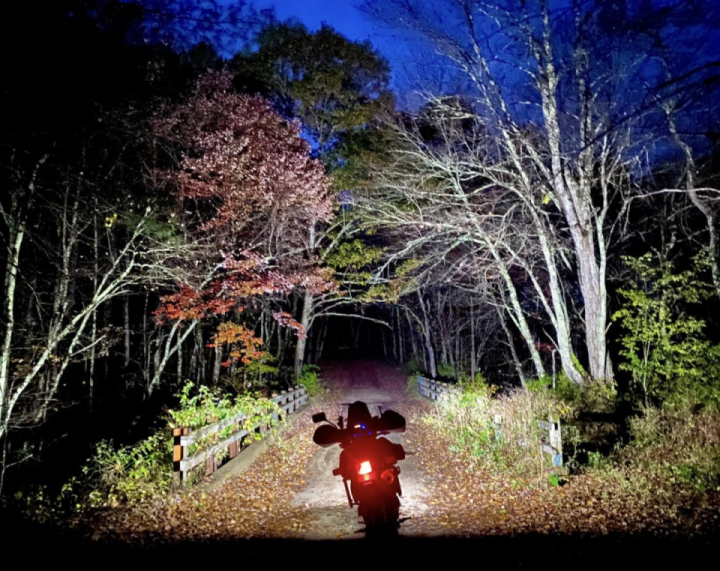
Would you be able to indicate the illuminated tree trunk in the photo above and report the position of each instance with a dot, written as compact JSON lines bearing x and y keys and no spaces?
{"x":166,"y":350}
{"x":511,"y":344}
{"x":431,"y":366}
{"x":305,"y":321}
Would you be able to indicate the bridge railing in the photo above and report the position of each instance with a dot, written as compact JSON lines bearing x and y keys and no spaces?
{"x":550,"y":441}
{"x":434,"y":390}
{"x":288,"y":401}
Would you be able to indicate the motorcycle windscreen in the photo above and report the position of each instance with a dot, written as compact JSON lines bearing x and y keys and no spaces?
{"x":390,"y":421}
{"x":327,"y":435}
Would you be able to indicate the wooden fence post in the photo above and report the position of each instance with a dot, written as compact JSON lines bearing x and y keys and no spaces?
{"x":233,"y":448}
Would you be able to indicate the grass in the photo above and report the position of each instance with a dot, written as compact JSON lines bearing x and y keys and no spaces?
{"x":500,"y":433}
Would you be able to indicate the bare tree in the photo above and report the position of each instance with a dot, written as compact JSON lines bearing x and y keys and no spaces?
{"x":560,"y":89}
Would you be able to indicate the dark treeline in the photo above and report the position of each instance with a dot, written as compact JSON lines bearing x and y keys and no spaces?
{"x":199,"y":192}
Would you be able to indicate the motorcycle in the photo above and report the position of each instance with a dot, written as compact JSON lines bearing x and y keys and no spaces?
{"x":368,"y":463}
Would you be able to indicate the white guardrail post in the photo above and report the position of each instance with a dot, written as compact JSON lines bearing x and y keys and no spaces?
{"x":553,"y":444}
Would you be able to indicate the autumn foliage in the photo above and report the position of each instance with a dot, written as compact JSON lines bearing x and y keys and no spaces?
{"x":246,"y":183}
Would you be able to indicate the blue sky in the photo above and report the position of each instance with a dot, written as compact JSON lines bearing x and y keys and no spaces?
{"x":340,"y":14}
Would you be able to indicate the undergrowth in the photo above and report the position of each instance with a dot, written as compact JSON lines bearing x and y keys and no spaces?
{"x":673,"y":446}
{"x":500,"y":433}
{"x":141,"y":472}
{"x":310,"y":379}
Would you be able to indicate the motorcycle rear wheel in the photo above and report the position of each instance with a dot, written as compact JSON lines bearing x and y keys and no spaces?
{"x":381,"y":519}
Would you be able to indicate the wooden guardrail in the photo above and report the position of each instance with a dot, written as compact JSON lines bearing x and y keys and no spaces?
{"x":288,"y":401}
{"x":550,"y":444}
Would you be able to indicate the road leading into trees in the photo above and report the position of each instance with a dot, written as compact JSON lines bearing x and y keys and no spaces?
{"x":289,"y":490}
{"x":324,"y":496}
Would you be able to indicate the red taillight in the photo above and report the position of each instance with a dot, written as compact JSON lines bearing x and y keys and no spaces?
{"x":365,"y":472}
{"x":388,"y":476}
{"x":364,"y":468}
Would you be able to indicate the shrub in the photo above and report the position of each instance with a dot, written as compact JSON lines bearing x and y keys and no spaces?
{"x":414,"y":366}
{"x":132,"y":473}
{"x":679,"y":443}
{"x":446,"y":370}
{"x":413,"y":388}
{"x":500,"y":433}
{"x":139,"y":472}
{"x":310,"y":379}
{"x":664,"y":348}
{"x":207,"y":406}
{"x":254,"y":375}
{"x":143,"y":471}
{"x":671,"y":447}
{"x":477,"y":384}
{"x":112,"y":476}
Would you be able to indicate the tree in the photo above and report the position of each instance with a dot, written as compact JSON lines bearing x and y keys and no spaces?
{"x":562,"y":89}
{"x":338,"y":89}
{"x":335,"y":86}
{"x":663,"y":346}
{"x":78,"y":271}
{"x":181,"y":24}
{"x":71,"y":244}
{"x":246,"y":184}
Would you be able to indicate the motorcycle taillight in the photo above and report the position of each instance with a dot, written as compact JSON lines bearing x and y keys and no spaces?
{"x":364,"y":468}
{"x":365,"y":471}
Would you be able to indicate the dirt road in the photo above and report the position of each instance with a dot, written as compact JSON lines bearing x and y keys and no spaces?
{"x":324,"y":496}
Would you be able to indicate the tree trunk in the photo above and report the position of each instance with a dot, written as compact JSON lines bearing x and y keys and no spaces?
{"x":398,"y":329}
{"x":179,"y":352}
{"x":216,"y":366}
{"x":305,"y":321}
{"x":93,"y":335}
{"x":521,"y":322}
{"x":126,"y":326}
{"x":15,"y":221}
{"x":163,"y":355}
{"x":705,"y":209}
{"x":322,"y":335}
{"x":11,"y":268}
{"x":431,"y":366}
{"x":413,"y":340}
{"x":511,"y":344}
{"x":574,"y":199}
{"x":473,"y":363}
{"x":284,"y":332}
{"x":107,"y":321}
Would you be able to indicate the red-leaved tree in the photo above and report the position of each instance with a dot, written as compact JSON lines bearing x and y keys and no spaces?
{"x":247,"y":186}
